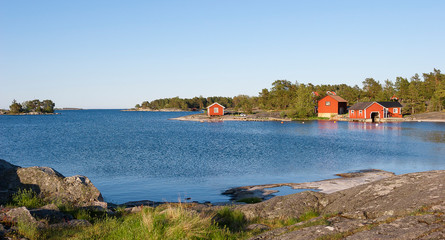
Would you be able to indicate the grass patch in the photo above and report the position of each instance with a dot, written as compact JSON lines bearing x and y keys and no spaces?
{"x":250,"y":200}
{"x":26,"y":198}
{"x":308,"y":215}
{"x":28,"y":229}
{"x":234,"y":220}
{"x":171,"y":222}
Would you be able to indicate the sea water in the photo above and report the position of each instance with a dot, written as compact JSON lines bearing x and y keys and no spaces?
{"x":145,"y":156}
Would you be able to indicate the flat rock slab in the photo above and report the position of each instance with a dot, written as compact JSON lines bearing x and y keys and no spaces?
{"x":408,"y":206}
{"x":392,"y":196}
{"x":347,"y":180}
{"x":410,"y":227}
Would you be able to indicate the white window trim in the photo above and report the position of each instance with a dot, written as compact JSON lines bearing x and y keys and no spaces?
{"x":352,"y":111}
{"x":360,"y":112}
{"x":328,"y":103}
{"x":216,"y":110}
{"x":395,"y":110}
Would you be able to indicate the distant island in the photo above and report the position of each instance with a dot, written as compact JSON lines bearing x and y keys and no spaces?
{"x":418,"y":94}
{"x":31,"y":107}
{"x":63,"y":109}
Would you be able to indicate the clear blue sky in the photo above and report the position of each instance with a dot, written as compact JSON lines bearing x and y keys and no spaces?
{"x":114,"y":54}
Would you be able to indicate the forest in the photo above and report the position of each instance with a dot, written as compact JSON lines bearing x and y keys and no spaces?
{"x":420,"y":93}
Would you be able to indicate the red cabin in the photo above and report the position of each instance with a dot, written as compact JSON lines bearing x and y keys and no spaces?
{"x":375,"y":110}
{"x":215,"y":109}
{"x":331,"y":105}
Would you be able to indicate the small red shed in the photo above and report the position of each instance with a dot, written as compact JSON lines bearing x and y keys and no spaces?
{"x":331,"y":105}
{"x":215,"y":109}
{"x":375,"y":110}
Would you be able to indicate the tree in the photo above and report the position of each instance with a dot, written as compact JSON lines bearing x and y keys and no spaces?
{"x":15,"y":107}
{"x":264,"y":99}
{"x":243,"y":102}
{"x":388,"y":90}
{"x":402,"y":88}
{"x":372,"y":88}
{"x":47,"y":106}
{"x":303,"y":106}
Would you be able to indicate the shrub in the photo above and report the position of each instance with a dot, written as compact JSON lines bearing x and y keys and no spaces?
{"x":27,"y":198}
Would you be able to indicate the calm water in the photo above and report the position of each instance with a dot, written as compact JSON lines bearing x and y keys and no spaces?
{"x":143,"y":155}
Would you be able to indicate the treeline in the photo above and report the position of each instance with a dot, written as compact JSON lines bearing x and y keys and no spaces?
{"x":45,"y":106}
{"x":417,"y":94}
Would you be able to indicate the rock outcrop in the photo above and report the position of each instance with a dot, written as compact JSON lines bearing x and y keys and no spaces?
{"x":408,"y":206}
{"x":393,"y":196}
{"x":50,"y":184}
{"x":285,"y":206}
{"x":9,"y":181}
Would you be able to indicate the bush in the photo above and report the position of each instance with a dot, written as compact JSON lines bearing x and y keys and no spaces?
{"x":27,"y":198}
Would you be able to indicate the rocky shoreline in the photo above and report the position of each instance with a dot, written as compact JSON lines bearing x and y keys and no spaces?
{"x":275,"y":116}
{"x":257,"y":117}
{"x":154,"y":110}
{"x":371,"y":204}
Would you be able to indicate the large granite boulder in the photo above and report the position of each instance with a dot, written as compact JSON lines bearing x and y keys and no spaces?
{"x":9,"y":181}
{"x":50,"y":184}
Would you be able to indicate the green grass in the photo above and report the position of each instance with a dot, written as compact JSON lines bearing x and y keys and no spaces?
{"x":308,"y":215}
{"x":27,"y":198}
{"x":170,"y":222}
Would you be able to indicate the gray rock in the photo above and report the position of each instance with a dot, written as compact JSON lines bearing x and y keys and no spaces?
{"x":77,"y":190}
{"x":9,"y":181}
{"x":284,"y":206}
{"x":20,"y":214}
{"x":2,"y":230}
{"x":50,"y":184}
{"x":50,"y":206}
{"x":257,"y":226}
{"x":71,"y":224}
{"x":379,"y":210}
{"x":50,"y":213}
{"x":394,"y":196}
{"x":410,"y":227}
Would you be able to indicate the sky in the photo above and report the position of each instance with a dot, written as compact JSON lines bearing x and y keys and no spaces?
{"x":115,"y":54}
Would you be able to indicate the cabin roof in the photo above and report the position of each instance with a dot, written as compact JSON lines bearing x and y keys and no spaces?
{"x":215,"y":103}
{"x":360,"y":105}
{"x":364,"y":105}
{"x":336,"y":98}
{"x":390,"y":104}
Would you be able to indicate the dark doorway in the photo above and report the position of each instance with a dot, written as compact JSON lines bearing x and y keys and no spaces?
{"x":375,"y":116}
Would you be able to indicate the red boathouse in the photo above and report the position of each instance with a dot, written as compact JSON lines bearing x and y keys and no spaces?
{"x":375,"y":110}
{"x":215,"y":109}
{"x":331,"y":105}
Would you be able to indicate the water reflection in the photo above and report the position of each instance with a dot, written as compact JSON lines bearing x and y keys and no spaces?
{"x":327,"y":125}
